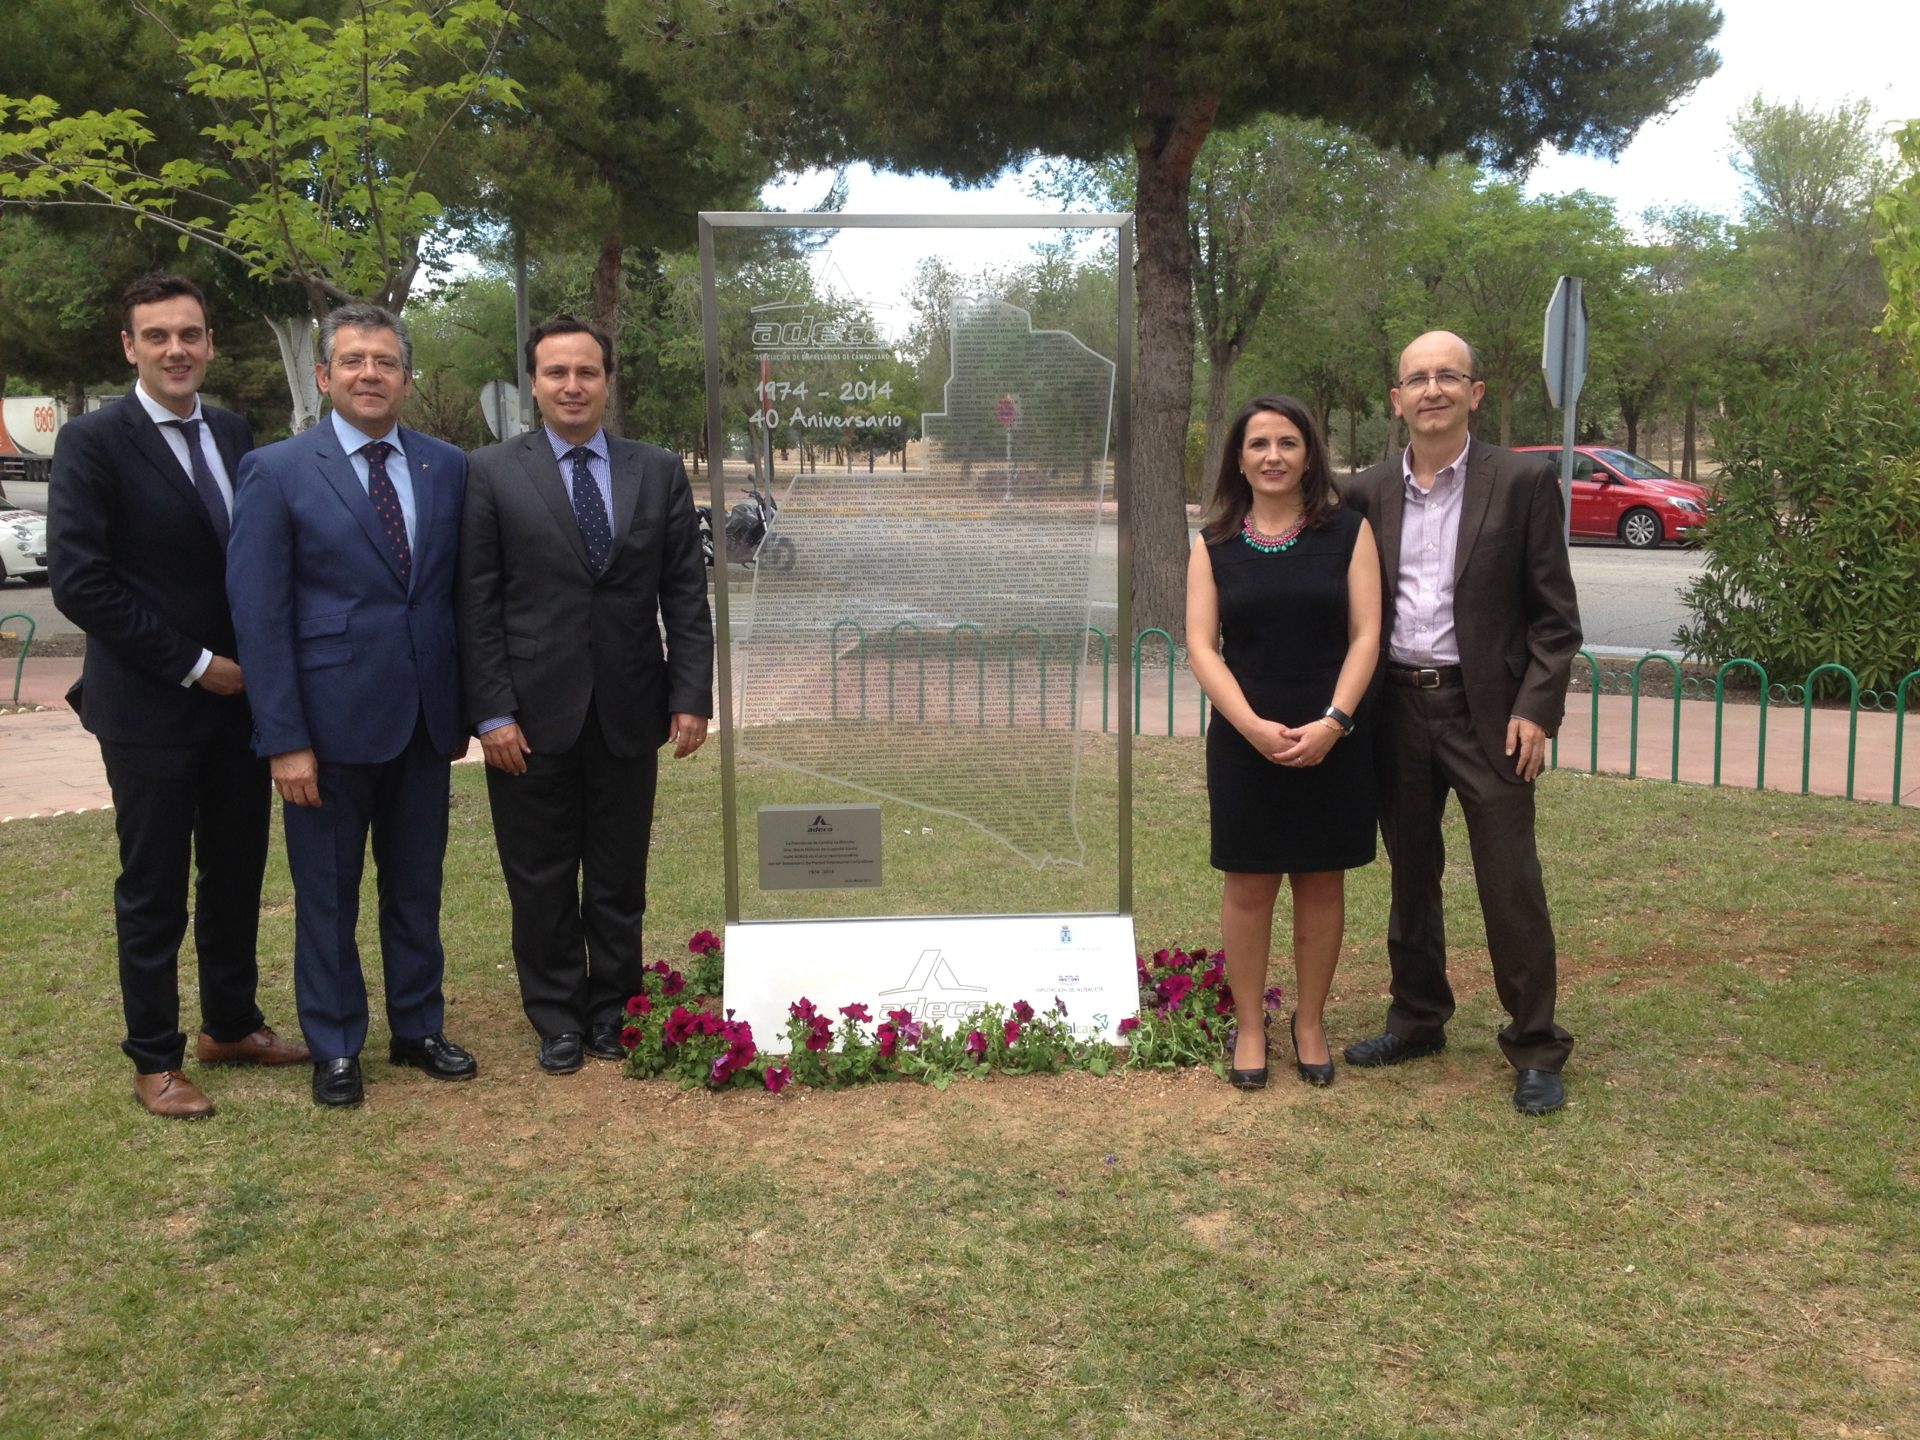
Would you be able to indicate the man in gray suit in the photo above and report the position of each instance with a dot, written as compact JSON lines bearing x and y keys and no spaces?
{"x":1481,"y":627}
{"x":576,"y":549}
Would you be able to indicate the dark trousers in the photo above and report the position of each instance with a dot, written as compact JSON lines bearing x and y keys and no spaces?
{"x":181,"y":808}
{"x":1426,"y":748}
{"x":402,"y":803}
{"x":573,"y":834}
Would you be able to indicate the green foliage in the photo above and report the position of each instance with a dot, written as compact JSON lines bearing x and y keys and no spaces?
{"x":1899,"y":246}
{"x":1807,"y":222}
{"x":1813,"y":551}
{"x":312,"y":174}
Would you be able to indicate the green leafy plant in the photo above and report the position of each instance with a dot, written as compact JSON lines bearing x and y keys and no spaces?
{"x":1813,"y":549}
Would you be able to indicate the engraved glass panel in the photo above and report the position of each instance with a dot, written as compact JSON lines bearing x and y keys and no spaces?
{"x":928,"y":620}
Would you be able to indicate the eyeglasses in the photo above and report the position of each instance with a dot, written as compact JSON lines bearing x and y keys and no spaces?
{"x":353,"y":364}
{"x":1445,"y":379}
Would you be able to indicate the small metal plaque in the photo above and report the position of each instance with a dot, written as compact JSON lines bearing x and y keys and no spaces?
{"x":819,"y":847}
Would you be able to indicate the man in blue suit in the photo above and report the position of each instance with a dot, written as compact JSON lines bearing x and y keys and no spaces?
{"x":341,"y":575}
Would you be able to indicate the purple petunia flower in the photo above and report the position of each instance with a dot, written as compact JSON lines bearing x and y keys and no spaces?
{"x":977,"y":1045}
{"x":1022,"y":1011}
{"x":778,"y":1077}
{"x":639,"y":1005}
{"x":1130,"y":1024}
{"x":629,"y":1037}
{"x":856,"y":1011}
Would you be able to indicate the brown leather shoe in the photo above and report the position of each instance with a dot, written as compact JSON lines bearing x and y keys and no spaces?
{"x":171,"y":1094}
{"x":262,"y":1047}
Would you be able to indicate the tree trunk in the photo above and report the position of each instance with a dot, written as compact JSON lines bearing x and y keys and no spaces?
{"x":76,"y":398}
{"x":294,"y":335}
{"x":603,"y":312}
{"x":1506,"y":418}
{"x":1630,"y":414}
{"x":1353,"y":439}
{"x":1174,"y":129}
{"x":1688,"y":466}
{"x":1220,"y":363}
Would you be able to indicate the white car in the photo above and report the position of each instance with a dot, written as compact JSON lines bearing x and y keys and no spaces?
{"x":23,"y":546}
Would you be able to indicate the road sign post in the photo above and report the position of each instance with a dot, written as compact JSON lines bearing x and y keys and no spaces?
{"x":1563,"y":359}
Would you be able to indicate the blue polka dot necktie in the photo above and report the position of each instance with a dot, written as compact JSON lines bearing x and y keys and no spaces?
{"x":590,"y":510}
{"x":386,"y":507}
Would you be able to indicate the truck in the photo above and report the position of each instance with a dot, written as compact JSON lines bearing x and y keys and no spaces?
{"x":28,"y":425}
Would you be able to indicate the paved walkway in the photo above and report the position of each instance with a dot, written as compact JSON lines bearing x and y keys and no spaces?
{"x":50,"y":766}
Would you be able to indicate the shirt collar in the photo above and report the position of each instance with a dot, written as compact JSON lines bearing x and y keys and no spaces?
{"x":160,"y":414}
{"x":597,"y":445}
{"x":1446,"y":474}
{"x":354,"y":440}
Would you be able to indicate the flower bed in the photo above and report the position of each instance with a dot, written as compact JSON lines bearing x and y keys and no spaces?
{"x":1186,"y":1018}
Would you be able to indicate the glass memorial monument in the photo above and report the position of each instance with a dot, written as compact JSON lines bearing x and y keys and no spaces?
{"x":919,"y":501}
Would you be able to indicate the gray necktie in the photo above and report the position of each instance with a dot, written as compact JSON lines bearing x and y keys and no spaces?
{"x":203,"y":481}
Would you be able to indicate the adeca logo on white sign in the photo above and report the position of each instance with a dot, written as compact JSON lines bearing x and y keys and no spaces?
{"x":938,"y":969}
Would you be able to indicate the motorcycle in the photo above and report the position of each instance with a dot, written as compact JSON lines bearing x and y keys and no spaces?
{"x":747,"y":530}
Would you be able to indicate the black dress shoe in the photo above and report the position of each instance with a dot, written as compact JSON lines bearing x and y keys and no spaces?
{"x":337,"y":1082}
{"x":562,"y":1054}
{"x":603,"y":1042}
{"x":435,"y":1054}
{"x":1321,"y":1074}
{"x":1538,"y":1092}
{"x":1391,"y":1049}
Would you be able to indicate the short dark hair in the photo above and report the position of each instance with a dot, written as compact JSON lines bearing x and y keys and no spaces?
{"x":1232,"y":498}
{"x":362,"y":315}
{"x":566,"y":325}
{"x":155,"y":286}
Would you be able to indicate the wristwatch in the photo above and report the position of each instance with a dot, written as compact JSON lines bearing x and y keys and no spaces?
{"x":1338,"y":717}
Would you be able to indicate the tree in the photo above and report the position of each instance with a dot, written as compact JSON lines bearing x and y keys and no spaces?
{"x":1497,"y":262}
{"x":604,"y":159}
{"x":1806,"y":231}
{"x":1899,"y":246}
{"x":314,"y":173}
{"x":918,"y":87}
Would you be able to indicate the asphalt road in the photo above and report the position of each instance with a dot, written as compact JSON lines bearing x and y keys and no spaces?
{"x":1629,"y":599}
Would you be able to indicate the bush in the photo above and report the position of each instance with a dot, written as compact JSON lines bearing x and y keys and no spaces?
{"x":1813,"y":550}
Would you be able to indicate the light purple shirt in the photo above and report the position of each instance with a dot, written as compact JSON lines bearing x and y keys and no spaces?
{"x":1429,"y":544}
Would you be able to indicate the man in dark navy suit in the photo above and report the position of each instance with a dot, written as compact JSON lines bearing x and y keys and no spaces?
{"x":341,"y":576}
{"x":137,"y":519}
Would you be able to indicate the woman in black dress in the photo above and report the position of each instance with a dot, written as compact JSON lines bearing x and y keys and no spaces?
{"x":1283,"y":631}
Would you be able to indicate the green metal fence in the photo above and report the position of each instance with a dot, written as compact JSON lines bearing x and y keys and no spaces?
{"x":26,"y":644}
{"x":1156,"y":644}
{"x":1768,"y":693}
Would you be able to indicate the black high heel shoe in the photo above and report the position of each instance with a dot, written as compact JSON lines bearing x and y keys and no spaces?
{"x":1321,"y":1075}
{"x":1250,"y":1079}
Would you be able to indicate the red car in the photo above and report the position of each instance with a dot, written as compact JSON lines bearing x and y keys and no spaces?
{"x":1618,"y":494}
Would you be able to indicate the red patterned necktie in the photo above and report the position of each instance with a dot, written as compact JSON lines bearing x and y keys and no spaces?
{"x":386,"y":506}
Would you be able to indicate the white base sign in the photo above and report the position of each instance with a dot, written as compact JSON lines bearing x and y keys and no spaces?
{"x":941,"y":968}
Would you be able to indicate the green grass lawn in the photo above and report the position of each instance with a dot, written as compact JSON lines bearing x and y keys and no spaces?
{"x":1716,"y":1238}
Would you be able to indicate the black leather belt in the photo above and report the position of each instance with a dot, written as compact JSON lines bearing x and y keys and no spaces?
{"x":1431,"y":678}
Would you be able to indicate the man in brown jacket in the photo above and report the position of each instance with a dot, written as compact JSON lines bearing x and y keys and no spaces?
{"x":1480,"y":630}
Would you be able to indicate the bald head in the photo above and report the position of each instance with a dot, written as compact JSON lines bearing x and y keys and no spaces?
{"x":1440,"y":349}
